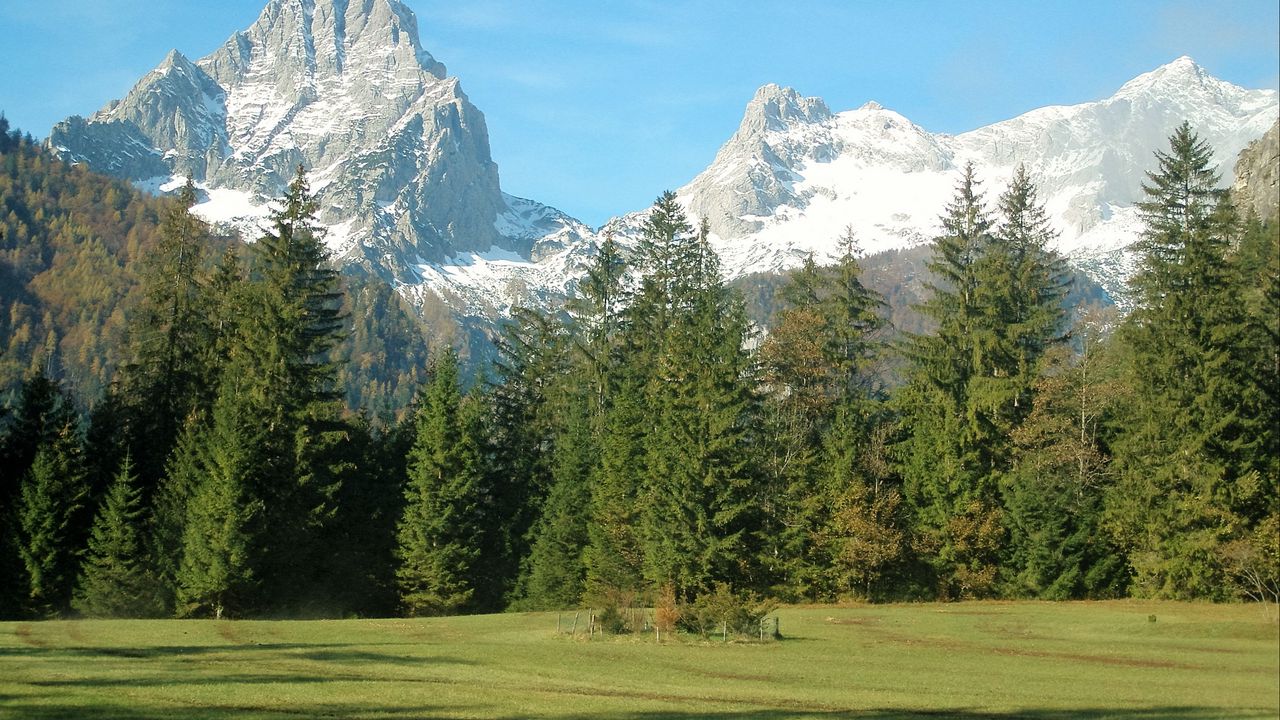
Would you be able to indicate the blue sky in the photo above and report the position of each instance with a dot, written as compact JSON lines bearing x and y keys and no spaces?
{"x":596,"y":107}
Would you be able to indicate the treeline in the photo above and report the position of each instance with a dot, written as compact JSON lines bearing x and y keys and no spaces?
{"x":645,"y":445}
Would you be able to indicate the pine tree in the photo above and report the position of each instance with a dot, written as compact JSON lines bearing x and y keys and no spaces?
{"x":532,"y":360}
{"x":854,"y":315}
{"x":948,"y":457}
{"x":287,"y":320}
{"x":556,"y":574}
{"x":998,"y":309}
{"x":614,"y":555}
{"x":115,"y":579}
{"x":42,"y":411}
{"x":183,"y":476}
{"x":439,"y":535}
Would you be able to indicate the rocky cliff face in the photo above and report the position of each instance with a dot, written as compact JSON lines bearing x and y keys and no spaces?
{"x":398,"y":156}
{"x":1257,"y":172}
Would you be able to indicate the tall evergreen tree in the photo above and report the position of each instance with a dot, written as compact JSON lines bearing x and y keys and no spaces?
{"x":697,"y":493}
{"x":43,"y":410}
{"x":440,"y":534}
{"x":291,"y":322}
{"x":948,"y":459}
{"x":167,"y":378}
{"x":53,"y":493}
{"x":1188,"y":478}
{"x":532,"y":360}
{"x":577,"y":401}
{"x":220,"y":471}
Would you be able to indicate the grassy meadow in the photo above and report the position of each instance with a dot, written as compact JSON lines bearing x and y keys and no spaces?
{"x":1044,"y":661}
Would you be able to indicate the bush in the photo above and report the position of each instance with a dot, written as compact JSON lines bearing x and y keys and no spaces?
{"x":621,"y":612}
{"x":725,"y":611}
{"x":666,"y":610}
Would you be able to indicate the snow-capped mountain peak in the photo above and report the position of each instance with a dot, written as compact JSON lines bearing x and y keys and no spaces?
{"x":396,"y":153}
{"x":399,"y":159}
{"x":773,"y":195}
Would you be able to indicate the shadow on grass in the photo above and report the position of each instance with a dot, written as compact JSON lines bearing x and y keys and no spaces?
{"x":320,"y":652}
{"x":39,"y":711}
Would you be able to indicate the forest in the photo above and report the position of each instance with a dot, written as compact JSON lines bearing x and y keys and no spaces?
{"x":235,"y":430}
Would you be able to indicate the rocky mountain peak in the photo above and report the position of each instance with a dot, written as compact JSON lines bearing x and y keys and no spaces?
{"x":396,"y":153}
{"x":776,"y":108}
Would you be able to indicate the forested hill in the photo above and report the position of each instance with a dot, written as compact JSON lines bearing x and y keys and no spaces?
{"x":70,"y":242}
{"x":73,"y":245}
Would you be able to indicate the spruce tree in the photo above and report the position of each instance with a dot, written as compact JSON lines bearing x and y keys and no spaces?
{"x":168,"y":376}
{"x":53,"y":492}
{"x":948,"y":459}
{"x":613,"y":557}
{"x":40,"y":414}
{"x":223,"y":533}
{"x":532,"y":360}
{"x":288,"y":319}
{"x":698,"y":493}
{"x":1188,"y":479}
{"x":115,"y":578}
{"x":439,"y":534}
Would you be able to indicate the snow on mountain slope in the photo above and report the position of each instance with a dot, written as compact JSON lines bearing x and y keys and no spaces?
{"x":397,"y":156}
{"x":788,"y":182}
{"x":399,"y":159}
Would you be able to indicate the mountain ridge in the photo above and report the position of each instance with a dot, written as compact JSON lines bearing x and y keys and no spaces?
{"x":400,"y":162}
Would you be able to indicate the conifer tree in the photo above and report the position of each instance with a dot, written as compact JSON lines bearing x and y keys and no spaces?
{"x":168,"y":377}
{"x":532,"y":361}
{"x":817,"y":361}
{"x":184,"y":474}
{"x":697,"y":494}
{"x":1188,"y":482}
{"x":439,"y":535}
{"x":1054,"y":492}
{"x":577,"y":400}
{"x":223,"y":534}
{"x":290,"y":320}
{"x":53,"y":492}
{"x":115,"y":578}
{"x":556,"y":574}
{"x":863,"y":539}
{"x":614,"y":553}
{"x":42,"y":411}
{"x":948,"y":460}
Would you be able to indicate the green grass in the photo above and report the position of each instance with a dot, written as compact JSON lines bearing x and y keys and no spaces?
{"x":1043,"y":661}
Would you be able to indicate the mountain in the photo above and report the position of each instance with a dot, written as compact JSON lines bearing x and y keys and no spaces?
{"x":399,"y":159}
{"x":398,"y":156}
{"x":794,"y":174}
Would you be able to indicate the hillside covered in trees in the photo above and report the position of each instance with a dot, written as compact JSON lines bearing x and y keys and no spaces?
{"x":233,"y":446}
